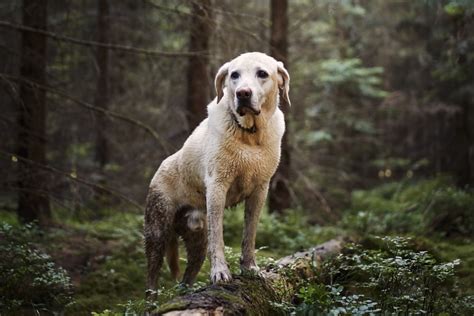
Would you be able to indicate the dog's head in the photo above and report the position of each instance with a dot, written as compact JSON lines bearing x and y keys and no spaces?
{"x":251,"y":80}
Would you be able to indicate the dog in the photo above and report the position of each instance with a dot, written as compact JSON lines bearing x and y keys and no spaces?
{"x":229,"y":158}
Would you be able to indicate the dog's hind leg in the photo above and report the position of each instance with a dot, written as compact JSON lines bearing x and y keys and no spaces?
{"x":196,"y":248}
{"x":157,"y":231}
{"x":172,"y":256}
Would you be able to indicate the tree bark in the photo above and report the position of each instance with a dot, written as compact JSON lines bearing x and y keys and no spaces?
{"x":253,"y":294}
{"x":33,"y":199}
{"x":279,"y":194}
{"x":102,"y":92}
{"x":102,"y":87}
{"x":198,"y":73}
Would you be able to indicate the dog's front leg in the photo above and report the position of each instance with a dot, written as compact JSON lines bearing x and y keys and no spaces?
{"x":253,"y":206}
{"x":215,"y":202}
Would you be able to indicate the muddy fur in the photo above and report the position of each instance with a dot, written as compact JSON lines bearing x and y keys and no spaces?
{"x":163,"y":227}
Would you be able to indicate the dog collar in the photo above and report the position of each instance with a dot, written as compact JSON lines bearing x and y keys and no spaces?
{"x":250,"y":130}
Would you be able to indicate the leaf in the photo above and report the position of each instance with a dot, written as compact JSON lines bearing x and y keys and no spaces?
{"x":315,"y":137}
{"x":454,"y":9}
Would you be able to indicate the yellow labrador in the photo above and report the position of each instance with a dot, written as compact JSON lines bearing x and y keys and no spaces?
{"x":230,"y":157}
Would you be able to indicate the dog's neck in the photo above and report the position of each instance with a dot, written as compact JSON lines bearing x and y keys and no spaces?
{"x":247,"y":123}
{"x":250,"y":128}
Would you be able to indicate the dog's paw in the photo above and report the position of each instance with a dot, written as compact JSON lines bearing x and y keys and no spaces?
{"x":249,"y":269}
{"x":221,"y":274}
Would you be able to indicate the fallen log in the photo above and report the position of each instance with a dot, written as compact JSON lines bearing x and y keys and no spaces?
{"x":253,"y":294}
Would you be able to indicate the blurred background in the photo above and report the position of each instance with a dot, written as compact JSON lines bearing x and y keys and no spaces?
{"x":95,"y":94}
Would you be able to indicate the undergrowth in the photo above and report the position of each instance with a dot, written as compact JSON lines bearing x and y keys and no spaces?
{"x":30,"y":281}
{"x":104,"y":257}
{"x":432,"y":207}
{"x":387,"y":278}
{"x":280,"y":235}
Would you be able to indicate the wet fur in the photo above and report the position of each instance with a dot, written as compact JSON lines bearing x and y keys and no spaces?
{"x":219,"y":165}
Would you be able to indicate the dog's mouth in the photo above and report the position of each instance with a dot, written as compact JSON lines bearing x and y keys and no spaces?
{"x":244,"y":108}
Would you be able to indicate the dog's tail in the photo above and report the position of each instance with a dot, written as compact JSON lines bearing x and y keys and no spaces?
{"x":172,"y":257}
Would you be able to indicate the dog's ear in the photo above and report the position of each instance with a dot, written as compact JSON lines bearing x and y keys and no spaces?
{"x":219,"y":81}
{"x":283,"y":83}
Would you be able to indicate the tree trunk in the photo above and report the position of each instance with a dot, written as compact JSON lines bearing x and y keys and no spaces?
{"x":102,"y":92}
{"x":198,"y":75}
{"x":33,"y":199}
{"x":279,"y":194}
{"x":253,"y":294}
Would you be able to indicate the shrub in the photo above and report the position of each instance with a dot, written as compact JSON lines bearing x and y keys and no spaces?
{"x":451,"y":212}
{"x":390,"y":278}
{"x":330,"y":300}
{"x":30,"y":280}
{"x":426,"y":207}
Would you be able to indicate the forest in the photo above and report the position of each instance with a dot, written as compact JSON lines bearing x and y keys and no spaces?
{"x":377,"y":157}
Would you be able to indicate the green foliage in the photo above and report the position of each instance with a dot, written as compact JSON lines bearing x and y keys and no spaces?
{"x":9,"y":218}
{"x":350,"y":75}
{"x":451,"y":212}
{"x":115,"y":284}
{"x":294,"y":234}
{"x":388,"y":278}
{"x":119,"y":274}
{"x":315,"y":137}
{"x":447,"y":249}
{"x":330,"y":300}
{"x":459,"y":7}
{"x":454,"y":9}
{"x":428,"y":206}
{"x":30,"y":279}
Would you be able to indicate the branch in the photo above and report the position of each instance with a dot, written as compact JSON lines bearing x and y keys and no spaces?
{"x":124,"y":48}
{"x":74,"y":178}
{"x":253,"y":294}
{"x":89,"y":106}
{"x":210,"y":8}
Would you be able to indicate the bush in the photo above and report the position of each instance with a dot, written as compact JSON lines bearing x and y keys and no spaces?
{"x":432,"y":206}
{"x":30,"y":280}
{"x":388,"y":279}
{"x":451,"y":212}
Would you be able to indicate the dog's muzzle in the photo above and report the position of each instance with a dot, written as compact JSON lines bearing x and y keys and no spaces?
{"x":243,"y":109}
{"x":244,"y":102}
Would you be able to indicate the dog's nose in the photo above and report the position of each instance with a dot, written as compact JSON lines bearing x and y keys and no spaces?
{"x":243,"y":93}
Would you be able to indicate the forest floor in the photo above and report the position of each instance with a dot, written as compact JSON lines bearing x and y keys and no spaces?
{"x":105,"y":259}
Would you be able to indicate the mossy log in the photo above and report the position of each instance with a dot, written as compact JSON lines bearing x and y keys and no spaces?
{"x":252,"y":294}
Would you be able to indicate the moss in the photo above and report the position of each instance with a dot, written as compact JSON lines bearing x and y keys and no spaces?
{"x":228,"y":297}
{"x":246,"y":295}
{"x":175,"y":305}
{"x":9,"y":218}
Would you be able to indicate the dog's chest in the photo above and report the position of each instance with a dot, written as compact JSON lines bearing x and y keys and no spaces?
{"x":239,"y":190}
{"x":250,"y":167}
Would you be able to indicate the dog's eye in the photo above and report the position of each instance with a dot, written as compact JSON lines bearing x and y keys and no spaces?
{"x":235,"y":75}
{"x":262,"y":74}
